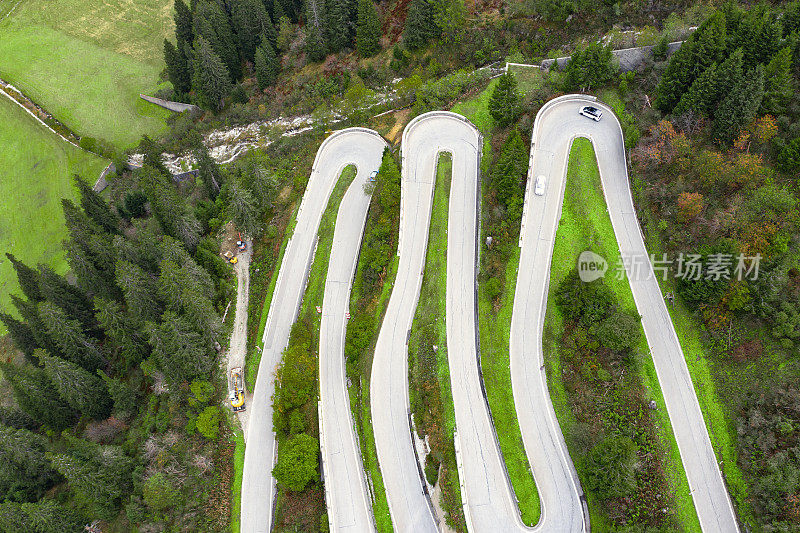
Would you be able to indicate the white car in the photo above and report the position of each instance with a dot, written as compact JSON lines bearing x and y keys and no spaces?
{"x":591,"y":112}
{"x":372,"y":176}
{"x":538,"y":190}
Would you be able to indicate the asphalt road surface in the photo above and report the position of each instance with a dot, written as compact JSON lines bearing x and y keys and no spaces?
{"x":353,"y":145}
{"x":348,"y":500}
{"x":557,"y":124}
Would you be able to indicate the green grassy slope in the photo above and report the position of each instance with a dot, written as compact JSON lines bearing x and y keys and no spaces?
{"x":35,"y":173}
{"x":585,"y":225}
{"x":87,"y":61}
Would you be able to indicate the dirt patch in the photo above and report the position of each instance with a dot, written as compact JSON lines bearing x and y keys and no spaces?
{"x":228,"y":238}
{"x":401,"y":119}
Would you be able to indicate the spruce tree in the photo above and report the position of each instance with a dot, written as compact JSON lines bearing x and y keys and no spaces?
{"x":139,"y":290}
{"x":179,"y":350}
{"x":338,"y":31}
{"x":82,"y":390}
{"x":122,"y":332}
{"x":511,"y":168}
{"x":96,"y":208}
{"x":266,"y":65}
{"x":420,"y":24}
{"x":368,"y":30}
{"x":210,"y":79}
{"x":504,"y":105}
{"x":315,"y":45}
{"x":177,"y":69}
{"x":250,"y":22}
{"x":183,"y":24}
{"x":739,"y":107}
{"x":17,"y":419}
{"x":37,"y":396}
{"x":70,"y":338}
{"x":212,"y":24}
{"x":778,"y":82}
{"x":72,"y":300}
{"x":100,"y":474}
{"x":175,"y":216}
{"x":21,"y":334}
{"x":44,"y":516}
{"x":208,"y":170}
{"x":30,"y":314}
{"x":123,"y":396}
{"x":24,"y":471}
{"x":28,"y":279}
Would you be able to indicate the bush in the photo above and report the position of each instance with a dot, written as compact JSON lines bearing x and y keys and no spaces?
{"x":431,"y":469}
{"x":159,"y":493}
{"x":134,"y":204}
{"x":620,"y":332}
{"x":789,"y":157}
{"x":588,"y":303}
{"x":297,"y":462}
{"x":611,"y":468}
{"x":208,"y":422}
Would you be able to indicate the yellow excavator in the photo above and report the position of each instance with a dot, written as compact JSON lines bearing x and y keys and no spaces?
{"x":237,"y":391}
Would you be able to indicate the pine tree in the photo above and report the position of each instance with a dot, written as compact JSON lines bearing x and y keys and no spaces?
{"x":504,"y":105}
{"x":368,"y":30}
{"x":82,"y":390}
{"x":139,"y":290}
{"x":420,"y":25}
{"x":24,"y":471}
{"x":778,"y":82}
{"x":70,"y":338}
{"x":17,"y":419}
{"x":28,"y":279}
{"x":250,"y":21}
{"x":212,"y":24}
{"x":266,"y":64}
{"x":122,"y":332}
{"x":739,"y":108}
{"x":210,"y":79}
{"x":21,"y":334}
{"x":183,"y":24}
{"x":176,"y":218}
{"x":37,"y":396}
{"x":100,"y":474}
{"x":208,"y":170}
{"x":44,"y":516}
{"x":243,"y":209}
{"x":96,"y":207}
{"x":177,"y":69}
{"x":511,"y":168}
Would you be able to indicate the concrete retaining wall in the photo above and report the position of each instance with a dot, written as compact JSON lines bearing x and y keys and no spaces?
{"x":177,"y":107}
{"x":629,"y":58}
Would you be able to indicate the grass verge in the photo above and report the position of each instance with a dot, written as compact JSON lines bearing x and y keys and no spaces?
{"x":238,"y":471}
{"x":430,"y":393}
{"x":36,"y":169}
{"x":585,"y":224}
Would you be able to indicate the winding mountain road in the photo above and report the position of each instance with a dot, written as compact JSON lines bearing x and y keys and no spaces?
{"x":357,"y":146}
{"x":348,"y":500}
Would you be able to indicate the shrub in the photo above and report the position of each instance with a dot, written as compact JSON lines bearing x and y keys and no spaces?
{"x":611,"y":467}
{"x":208,"y":422}
{"x":297,"y":462}
{"x":159,"y":493}
{"x":620,"y":332}
{"x":588,"y":303}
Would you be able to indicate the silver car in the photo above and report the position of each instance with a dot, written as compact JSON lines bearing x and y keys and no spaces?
{"x":591,"y":112}
{"x":538,"y":190}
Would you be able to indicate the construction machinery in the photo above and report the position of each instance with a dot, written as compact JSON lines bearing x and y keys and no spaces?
{"x":237,"y":390}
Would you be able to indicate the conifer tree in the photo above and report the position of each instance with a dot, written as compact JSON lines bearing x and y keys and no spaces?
{"x":139,"y":290}
{"x":251,"y":21}
{"x":21,"y":334}
{"x":183,"y":24}
{"x":420,"y":24}
{"x":315,"y":45}
{"x":30,"y":314}
{"x":44,"y":516}
{"x":96,"y":208}
{"x":123,"y":396}
{"x":82,"y":390}
{"x":778,"y":82}
{"x":121,"y":329}
{"x":17,"y":419}
{"x":511,"y":168}
{"x":210,"y":79}
{"x":180,"y":352}
{"x":28,"y":279}
{"x":266,"y":65}
{"x":72,"y":300}
{"x":100,"y":474}
{"x":212,"y":24}
{"x":177,"y":68}
{"x":338,"y":30}
{"x":70,"y":338}
{"x":504,"y":105}
{"x":243,"y":209}
{"x":368,"y":30}
{"x":739,"y":107}
{"x":24,"y":471}
{"x":37,"y":396}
